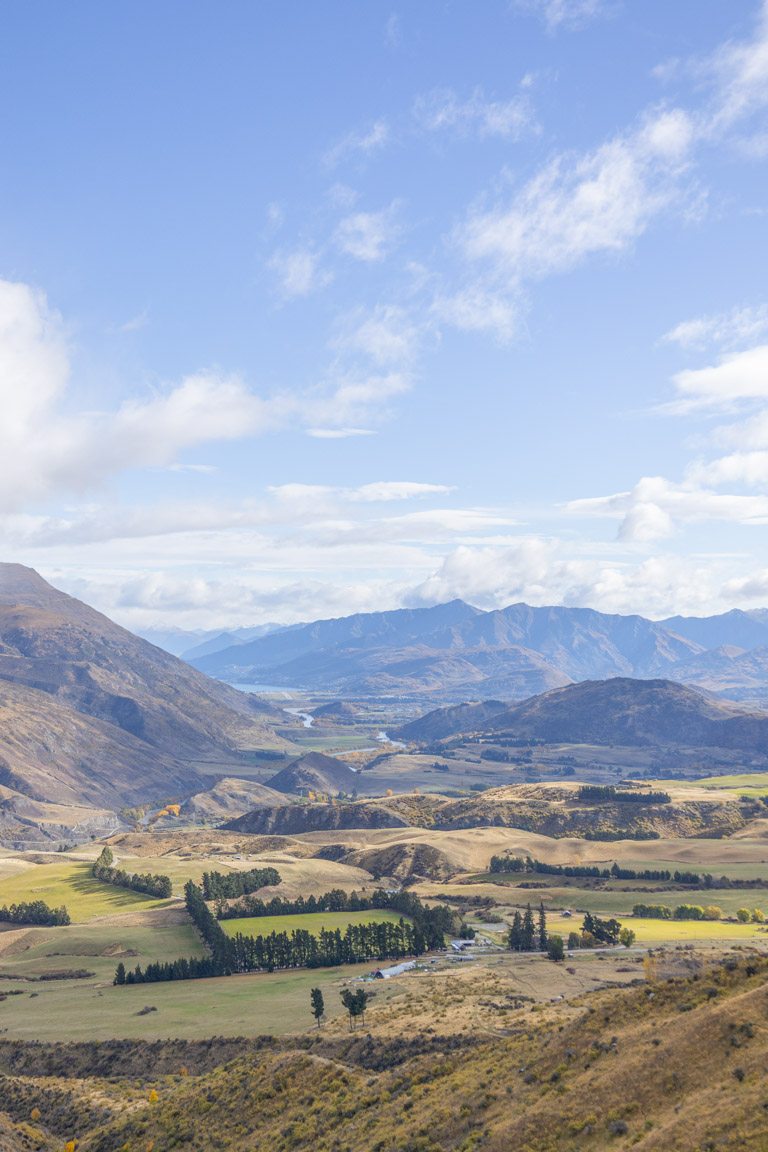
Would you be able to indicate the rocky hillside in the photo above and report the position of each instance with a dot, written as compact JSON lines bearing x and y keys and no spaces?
{"x":549,"y":811}
{"x":91,"y":714}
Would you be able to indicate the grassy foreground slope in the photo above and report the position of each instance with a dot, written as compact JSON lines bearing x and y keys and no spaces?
{"x":677,"y":1065}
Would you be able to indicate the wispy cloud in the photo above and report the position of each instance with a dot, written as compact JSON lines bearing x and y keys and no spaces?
{"x":366,"y":143}
{"x":578,"y":206}
{"x":386,"y":334}
{"x":730,"y":329}
{"x":136,"y":322}
{"x":299,"y":271}
{"x":338,"y":433}
{"x":566,"y":13}
{"x":368,"y":236}
{"x":509,"y":119}
{"x":476,"y":309}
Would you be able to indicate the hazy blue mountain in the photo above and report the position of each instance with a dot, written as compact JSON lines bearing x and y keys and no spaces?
{"x":174,"y":640}
{"x":367,"y":630}
{"x":736,"y":628}
{"x":455,"y":649}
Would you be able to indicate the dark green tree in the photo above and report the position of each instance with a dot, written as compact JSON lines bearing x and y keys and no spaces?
{"x":318,"y":1004}
{"x":542,"y":929}
{"x":555,"y":950}
{"x":120,"y":974}
{"x":515,"y":939}
{"x":355,"y":1003}
{"x":529,"y":931}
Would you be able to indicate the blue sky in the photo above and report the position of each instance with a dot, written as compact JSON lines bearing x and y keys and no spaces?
{"x":311,"y":309}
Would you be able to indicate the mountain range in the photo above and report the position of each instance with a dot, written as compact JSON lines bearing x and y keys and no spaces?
{"x":457,"y":651}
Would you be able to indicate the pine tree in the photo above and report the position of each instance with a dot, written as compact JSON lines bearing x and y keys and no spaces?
{"x":542,"y":929}
{"x":529,"y":930}
{"x":317,"y":1004}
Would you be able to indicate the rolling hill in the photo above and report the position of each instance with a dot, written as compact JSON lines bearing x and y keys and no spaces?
{"x":315,"y":772}
{"x":618,"y":711}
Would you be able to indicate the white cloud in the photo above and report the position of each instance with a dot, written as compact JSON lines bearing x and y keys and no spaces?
{"x":45,"y":448}
{"x":380,"y":490}
{"x":299,"y":271}
{"x":387,"y":334}
{"x":48,"y":447}
{"x":397,"y":490}
{"x":649,"y":510}
{"x":509,"y":119}
{"x":354,"y":399}
{"x":739,"y":70}
{"x":576,"y":207}
{"x":565,"y":13}
{"x":338,"y":433}
{"x":475,"y":309}
{"x":752,"y":587}
{"x":748,"y":468}
{"x":543,"y":571}
{"x":739,"y":376}
{"x":726,"y":329}
{"x":367,"y":143}
{"x":192,"y":468}
{"x":368,"y":236}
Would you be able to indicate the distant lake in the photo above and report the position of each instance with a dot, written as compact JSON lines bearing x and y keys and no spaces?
{"x":272,"y":688}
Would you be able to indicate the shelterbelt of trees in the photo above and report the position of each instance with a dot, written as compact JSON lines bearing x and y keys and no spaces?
{"x":225,"y":885}
{"x":529,"y":865}
{"x":337,"y":900}
{"x":34,"y":912}
{"x":424,"y":931}
{"x":605,"y":793}
{"x":149,"y":884}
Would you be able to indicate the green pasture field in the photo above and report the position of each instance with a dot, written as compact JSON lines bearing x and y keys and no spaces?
{"x":82,"y":946}
{"x":348,"y":741}
{"x":72,"y":884}
{"x":653,"y":932}
{"x":311,"y":921}
{"x":755,"y":782}
{"x":620,"y":903}
{"x":250,"y":1004}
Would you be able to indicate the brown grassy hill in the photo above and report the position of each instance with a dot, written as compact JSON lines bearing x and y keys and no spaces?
{"x":445,"y":722}
{"x":336,"y":710}
{"x":671,"y":1065}
{"x":295,"y":819}
{"x":624,"y":711}
{"x":91,"y":713}
{"x":315,"y":772}
{"x":406,"y":862}
{"x":555,"y":812}
{"x":621,"y":711}
{"x":230,"y":797}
